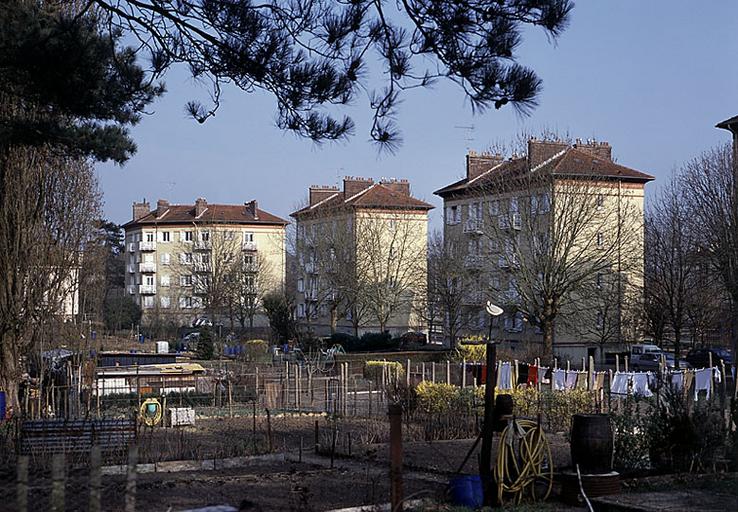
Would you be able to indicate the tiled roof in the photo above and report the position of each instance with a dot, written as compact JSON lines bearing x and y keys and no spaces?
{"x":214,"y":214}
{"x":571,"y":162}
{"x":376,"y":196}
{"x":728,"y":124}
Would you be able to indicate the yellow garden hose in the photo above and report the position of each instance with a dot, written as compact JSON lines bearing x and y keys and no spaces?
{"x":523,"y":460}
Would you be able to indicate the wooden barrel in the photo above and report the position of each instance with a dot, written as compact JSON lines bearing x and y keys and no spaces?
{"x":591,"y":443}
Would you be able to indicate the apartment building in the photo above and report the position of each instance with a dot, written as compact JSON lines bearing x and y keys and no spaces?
{"x":555,"y":237}
{"x":182,"y":260}
{"x":361,"y":254}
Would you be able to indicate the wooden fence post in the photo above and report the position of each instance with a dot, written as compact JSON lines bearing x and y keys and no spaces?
{"x":270,"y":441}
{"x":396,"y":494}
{"x":131,"y":478}
{"x":448,"y":371}
{"x":57,"y":482}
{"x":407,"y":377}
{"x":22,"y":479}
{"x":95,"y":478}
{"x":463,"y":373}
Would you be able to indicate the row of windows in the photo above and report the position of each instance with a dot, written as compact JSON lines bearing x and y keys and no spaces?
{"x":538,"y":204}
{"x":186,"y":236}
{"x":188,"y":258}
{"x":188,"y":280}
{"x":165,"y":302}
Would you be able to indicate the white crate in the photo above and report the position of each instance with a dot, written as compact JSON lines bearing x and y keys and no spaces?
{"x":181,"y":416}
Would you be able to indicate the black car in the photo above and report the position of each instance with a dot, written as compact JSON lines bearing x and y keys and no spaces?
{"x":700,"y":357}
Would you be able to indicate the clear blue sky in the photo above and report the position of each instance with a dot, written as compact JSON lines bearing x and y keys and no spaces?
{"x":652,"y":78}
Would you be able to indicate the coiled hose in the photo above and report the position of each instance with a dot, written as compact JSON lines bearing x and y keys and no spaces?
{"x":524,"y":464}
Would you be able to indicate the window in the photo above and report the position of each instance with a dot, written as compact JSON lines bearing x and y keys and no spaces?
{"x":544,"y":205}
{"x":600,"y":239}
{"x":165,"y":257}
{"x":598,"y":280}
{"x":229,"y":235}
{"x":205,"y":259}
{"x":149,"y":280}
{"x":494,"y":246}
{"x":301,"y":310}
{"x":301,"y":285}
{"x":600,"y":201}
{"x":164,"y":302}
{"x":475,"y":211}
{"x":187,"y":236}
{"x":164,"y":280}
{"x":248,"y":260}
{"x":150,"y":236}
{"x":165,"y":236}
{"x":185,"y":280}
{"x":600,"y":320}
{"x":473,"y":247}
{"x":533,"y":204}
{"x":494,"y":207}
{"x":248,"y":236}
{"x":453,"y":215}
{"x":148,"y":302}
{"x":514,"y":205}
{"x":185,"y":302}
{"x":185,"y":258}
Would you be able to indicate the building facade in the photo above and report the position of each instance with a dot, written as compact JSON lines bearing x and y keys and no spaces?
{"x":361,"y":258}
{"x":186,"y":262}
{"x":555,"y":237}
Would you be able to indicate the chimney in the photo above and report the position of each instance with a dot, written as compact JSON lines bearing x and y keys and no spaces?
{"x":162,"y":205}
{"x":354,"y":185}
{"x":479,"y":163}
{"x":541,"y":150}
{"x":140,"y":210}
{"x":252,"y":208}
{"x":399,"y":186}
{"x":601,"y":150}
{"x":200,"y":206}
{"x":320,"y":193}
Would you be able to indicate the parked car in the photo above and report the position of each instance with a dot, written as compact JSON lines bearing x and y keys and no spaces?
{"x":650,"y":361}
{"x":700,"y":357}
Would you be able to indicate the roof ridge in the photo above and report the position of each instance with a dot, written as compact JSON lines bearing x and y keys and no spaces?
{"x":360,"y":192}
{"x":323,"y":200}
{"x":487,"y":171}
{"x":551,"y":159}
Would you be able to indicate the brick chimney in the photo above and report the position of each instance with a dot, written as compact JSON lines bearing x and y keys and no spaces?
{"x":478,"y":163}
{"x":200,"y":206}
{"x":353,"y":185}
{"x":397,"y":185}
{"x":320,"y":193}
{"x":541,"y":150}
{"x":252,"y":208}
{"x":599,"y":149}
{"x":140,"y":210}
{"x":162,"y":205}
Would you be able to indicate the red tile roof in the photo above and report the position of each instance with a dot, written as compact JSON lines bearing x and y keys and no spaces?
{"x":214,"y":214}
{"x":376,"y":196}
{"x":571,"y":162}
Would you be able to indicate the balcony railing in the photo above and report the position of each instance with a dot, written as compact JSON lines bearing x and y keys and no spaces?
{"x":473,"y":261}
{"x":146,"y":246}
{"x":474,"y":226}
{"x":248,"y":246}
{"x":203,"y":245}
{"x":147,"y":289}
{"x":148,"y":266}
{"x":311,"y":294}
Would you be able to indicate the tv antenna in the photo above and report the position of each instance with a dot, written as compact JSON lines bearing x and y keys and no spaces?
{"x":469,"y":138}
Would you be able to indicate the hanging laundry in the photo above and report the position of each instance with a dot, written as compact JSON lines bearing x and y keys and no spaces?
{"x":532,"y":375}
{"x":640,"y":384}
{"x":581,"y":380}
{"x":523,"y":372}
{"x":718,"y":375}
{"x":677,"y":381}
{"x":504,"y":377}
{"x":544,"y":375}
{"x":571,"y":379}
{"x":559,"y":379}
{"x":688,"y":379}
{"x":599,"y":381}
{"x":620,"y":383}
{"x":702,"y":382}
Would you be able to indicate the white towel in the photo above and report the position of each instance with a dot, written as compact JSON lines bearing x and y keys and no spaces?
{"x":677,"y":380}
{"x":702,"y":382}
{"x":640,"y":384}
{"x":504,"y":377}
{"x":559,"y":378}
{"x":542,"y":375}
{"x":571,"y":379}
{"x":619,"y":384}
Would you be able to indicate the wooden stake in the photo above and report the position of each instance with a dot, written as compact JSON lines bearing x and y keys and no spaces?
{"x":95,"y":478}
{"x":22,"y":481}
{"x":131,"y":478}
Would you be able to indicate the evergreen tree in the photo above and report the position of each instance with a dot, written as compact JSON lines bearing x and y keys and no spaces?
{"x":205,"y":344}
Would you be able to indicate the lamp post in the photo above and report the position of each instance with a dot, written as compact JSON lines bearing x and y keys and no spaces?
{"x":485,"y":459}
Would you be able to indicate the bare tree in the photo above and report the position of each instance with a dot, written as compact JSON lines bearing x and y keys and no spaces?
{"x":711,"y":190}
{"x":555,"y":234}
{"x":49,"y":204}
{"x":251,"y":280}
{"x":391,"y":252}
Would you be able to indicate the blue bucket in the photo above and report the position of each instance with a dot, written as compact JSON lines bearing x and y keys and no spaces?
{"x":467,"y":491}
{"x":2,"y":406}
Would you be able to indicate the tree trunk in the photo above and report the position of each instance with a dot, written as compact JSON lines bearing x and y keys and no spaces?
{"x":548,"y":339}
{"x":334,"y":319}
{"x":9,"y":372}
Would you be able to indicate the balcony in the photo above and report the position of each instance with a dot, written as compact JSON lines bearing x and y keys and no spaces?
{"x":147,"y":266}
{"x":203,"y":245}
{"x":311,"y":295}
{"x":474,"y":226}
{"x":147,"y":289}
{"x":248,"y":246}
{"x":147,"y":246}
{"x":517,"y":222}
{"x":473,"y":261}
{"x":201,"y":266}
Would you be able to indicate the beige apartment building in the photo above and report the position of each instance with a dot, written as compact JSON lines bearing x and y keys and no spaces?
{"x":189,"y":261}
{"x":361,"y":256}
{"x":555,"y":237}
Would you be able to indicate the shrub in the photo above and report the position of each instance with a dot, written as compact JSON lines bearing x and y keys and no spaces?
{"x":373,"y":369}
{"x":436,"y":398}
{"x":471,"y":352}
{"x":347,"y":341}
{"x":376,"y":341}
{"x":205,"y":345}
{"x":257,"y":350}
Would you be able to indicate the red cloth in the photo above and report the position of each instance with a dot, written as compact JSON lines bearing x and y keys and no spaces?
{"x":532,"y":374}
